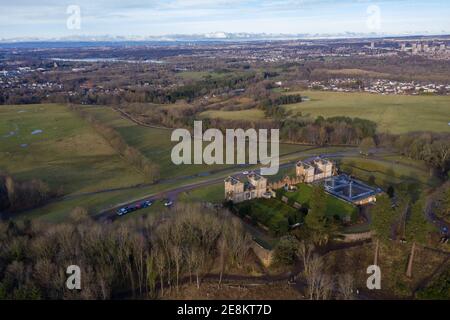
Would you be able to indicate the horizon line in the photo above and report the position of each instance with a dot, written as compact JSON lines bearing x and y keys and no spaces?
{"x":205,"y":38}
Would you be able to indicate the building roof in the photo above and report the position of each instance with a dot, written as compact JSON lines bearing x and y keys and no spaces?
{"x":321,"y":161}
{"x":341,"y":185}
{"x":313,"y":163}
{"x":255,"y":176}
{"x":232,"y":180}
{"x":303,"y":164}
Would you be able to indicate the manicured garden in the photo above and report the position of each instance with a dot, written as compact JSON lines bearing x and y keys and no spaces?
{"x":335,"y":207}
{"x":272,"y":213}
{"x":277,"y":216}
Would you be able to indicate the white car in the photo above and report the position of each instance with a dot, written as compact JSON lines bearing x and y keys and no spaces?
{"x":122,"y":211}
{"x":245,"y":172}
{"x":168,"y":203}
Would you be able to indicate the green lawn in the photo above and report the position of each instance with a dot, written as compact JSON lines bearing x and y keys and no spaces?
{"x":393,"y":113}
{"x":59,"y":210}
{"x":272,"y":213}
{"x":335,"y":206}
{"x":67,"y":154}
{"x":213,"y":193}
{"x":383,"y":173}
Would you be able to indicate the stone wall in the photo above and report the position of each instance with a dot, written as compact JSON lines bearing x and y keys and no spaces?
{"x":265,"y":255}
{"x":352,"y":237}
{"x":287,"y":180}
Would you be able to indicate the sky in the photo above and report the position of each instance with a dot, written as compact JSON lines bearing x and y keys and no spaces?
{"x":60,"y":18}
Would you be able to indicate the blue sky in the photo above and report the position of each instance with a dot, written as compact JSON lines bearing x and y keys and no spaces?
{"x":47,"y":18}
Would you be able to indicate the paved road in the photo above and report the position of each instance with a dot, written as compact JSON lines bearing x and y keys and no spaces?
{"x":172,"y":194}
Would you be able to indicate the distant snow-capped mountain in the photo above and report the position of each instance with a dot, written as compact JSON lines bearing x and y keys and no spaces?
{"x":218,"y":36}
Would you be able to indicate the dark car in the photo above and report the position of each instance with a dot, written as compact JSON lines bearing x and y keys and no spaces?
{"x":123,"y":211}
{"x":146,"y":204}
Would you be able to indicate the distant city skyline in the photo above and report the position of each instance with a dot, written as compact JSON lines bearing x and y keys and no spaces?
{"x":59,"y":19}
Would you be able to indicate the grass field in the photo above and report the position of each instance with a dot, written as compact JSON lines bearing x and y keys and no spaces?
{"x":249,"y":114}
{"x":335,"y":206}
{"x":271,"y":213}
{"x":387,"y":171}
{"x":214,"y":194}
{"x":155,"y":144}
{"x":350,"y":72}
{"x":68,"y":153}
{"x":394,"y":114}
{"x":59,"y":210}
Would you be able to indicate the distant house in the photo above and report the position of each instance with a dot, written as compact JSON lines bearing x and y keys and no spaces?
{"x":315,"y":170}
{"x":87,"y":85}
{"x":238,"y":191}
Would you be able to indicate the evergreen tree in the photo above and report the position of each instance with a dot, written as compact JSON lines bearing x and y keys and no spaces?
{"x":382,"y":217}
{"x":316,"y":219}
{"x":416,"y":230}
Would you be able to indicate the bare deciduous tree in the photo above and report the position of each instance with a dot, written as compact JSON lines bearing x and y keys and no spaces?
{"x":345,"y":286}
{"x":306,"y":253}
{"x":320,"y":285}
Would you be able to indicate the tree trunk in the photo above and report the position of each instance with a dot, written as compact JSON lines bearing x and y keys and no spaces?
{"x":410,"y":262}
{"x":162,"y":285}
{"x":178,"y":273}
{"x":377,"y":248}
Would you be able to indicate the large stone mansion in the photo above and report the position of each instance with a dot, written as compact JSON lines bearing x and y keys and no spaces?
{"x":256,"y":186}
{"x":238,"y":191}
{"x":323,"y":170}
{"x":318,"y":169}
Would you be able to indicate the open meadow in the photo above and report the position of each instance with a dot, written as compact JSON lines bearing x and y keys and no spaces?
{"x":50,"y":143}
{"x":155,"y":144}
{"x":393,"y":113}
{"x":249,"y":114}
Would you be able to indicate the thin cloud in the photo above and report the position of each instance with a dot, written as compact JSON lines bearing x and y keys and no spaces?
{"x":156,"y":17}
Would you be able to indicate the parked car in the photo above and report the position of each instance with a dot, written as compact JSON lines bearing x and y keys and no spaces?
{"x":146,"y":204}
{"x":168,"y":203}
{"x":123,"y":211}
